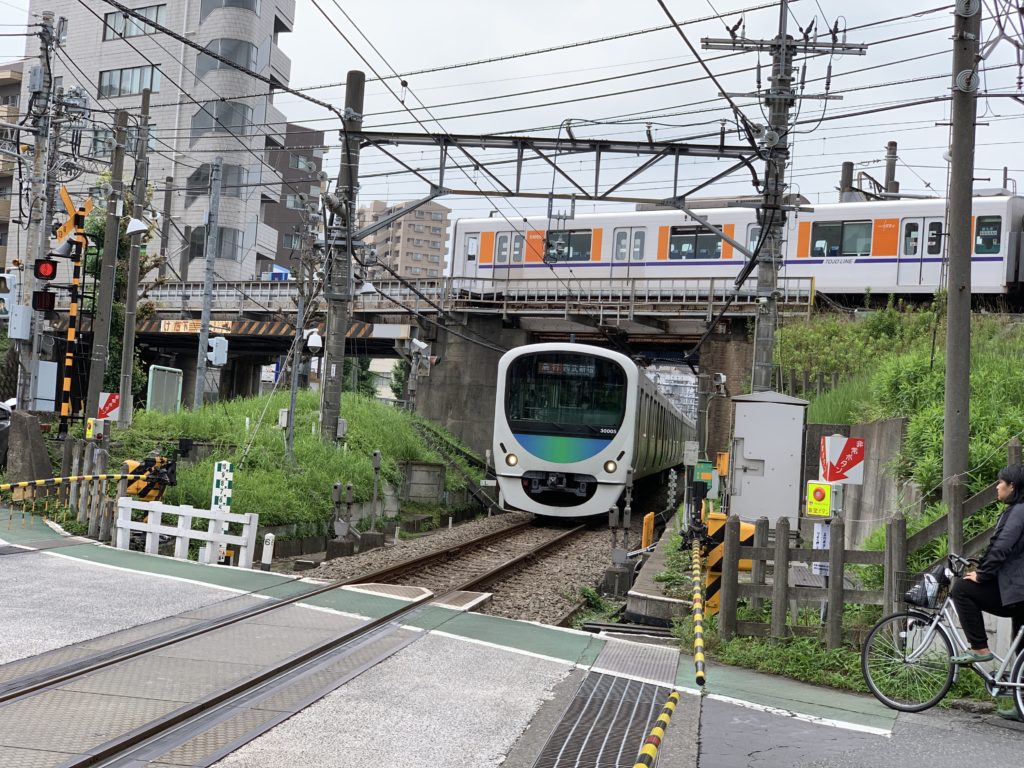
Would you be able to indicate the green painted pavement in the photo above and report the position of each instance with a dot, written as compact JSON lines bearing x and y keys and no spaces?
{"x":35,"y":529}
{"x":786,"y":694}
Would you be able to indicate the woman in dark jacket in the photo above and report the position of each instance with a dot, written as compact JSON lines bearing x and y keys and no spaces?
{"x":997,"y":584}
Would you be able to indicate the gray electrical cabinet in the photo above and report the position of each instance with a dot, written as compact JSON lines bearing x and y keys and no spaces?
{"x":765,"y":465}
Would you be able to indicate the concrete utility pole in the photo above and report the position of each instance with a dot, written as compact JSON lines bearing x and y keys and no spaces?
{"x":300,"y":319}
{"x":338,"y":291}
{"x":212,"y":247}
{"x":891,"y":185}
{"x":131,"y":299}
{"x":108,"y":270}
{"x":165,"y":225}
{"x":956,"y":435}
{"x":38,"y":231}
{"x":779,"y":99}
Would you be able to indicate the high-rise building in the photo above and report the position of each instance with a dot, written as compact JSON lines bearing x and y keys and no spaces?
{"x":10,"y":95}
{"x":200,"y":108}
{"x":413,"y":247}
{"x":301,"y":164}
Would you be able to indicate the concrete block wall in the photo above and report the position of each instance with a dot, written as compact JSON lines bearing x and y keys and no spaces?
{"x":730,"y":351}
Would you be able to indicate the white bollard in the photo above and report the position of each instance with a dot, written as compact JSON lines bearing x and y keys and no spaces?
{"x":397,"y":529}
{"x":451,"y":521}
{"x":268,"y":552}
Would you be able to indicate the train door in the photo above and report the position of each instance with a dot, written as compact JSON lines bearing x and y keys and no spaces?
{"x":920,"y":254}
{"x":628,"y":244}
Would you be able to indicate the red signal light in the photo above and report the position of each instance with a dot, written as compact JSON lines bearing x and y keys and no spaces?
{"x":45,"y":269}
{"x":43,"y":301}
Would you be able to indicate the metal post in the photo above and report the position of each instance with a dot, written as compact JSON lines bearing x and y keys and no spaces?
{"x":956,"y":434}
{"x":289,"y":440}
{"x":108,"y":270}
{"x":339,"y":264}
{"x":131,"y":300}
{"x":165,"y":226}
{"x":211,"y":259}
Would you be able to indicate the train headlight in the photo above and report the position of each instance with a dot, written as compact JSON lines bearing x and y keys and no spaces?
{"x":511,"y":459}
{"x":610,"y":466}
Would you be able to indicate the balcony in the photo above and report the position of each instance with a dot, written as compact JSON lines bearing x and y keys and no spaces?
{"x":266,"y":241}
{"x":286,"y":12}
{"x":280,"y":65}
{"x":276,"y":122}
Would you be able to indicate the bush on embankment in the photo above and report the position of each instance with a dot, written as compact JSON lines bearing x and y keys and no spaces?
{"x":265,"y":481}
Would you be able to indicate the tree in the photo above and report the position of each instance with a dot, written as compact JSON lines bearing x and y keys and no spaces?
{"x":399,"y":376}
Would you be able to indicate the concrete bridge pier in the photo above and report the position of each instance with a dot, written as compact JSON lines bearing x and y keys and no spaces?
{"x":460,"y":390}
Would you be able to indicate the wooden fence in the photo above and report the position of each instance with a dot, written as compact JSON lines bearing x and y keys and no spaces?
{"x":803,"y":383}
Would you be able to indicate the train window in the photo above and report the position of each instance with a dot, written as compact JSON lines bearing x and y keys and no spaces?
{"x":840,"y":238}
{"x":621,"y":244}
{"x":565,"y":393}
{"x":568,"y":245}
{"x":934,"y":238}
{"x":986,"y":234}
{"x":518,"y":246}
{"x":753,"y":237}
{"x":472,"y":247}
{"x":687,"y":243}
{"x":639,"y":239}
{"x":911,"y":236}
{"x":501,"y":248}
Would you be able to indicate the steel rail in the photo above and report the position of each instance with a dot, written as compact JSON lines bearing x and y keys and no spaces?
{"x":32,"y":683}
{"x":119,"y":751}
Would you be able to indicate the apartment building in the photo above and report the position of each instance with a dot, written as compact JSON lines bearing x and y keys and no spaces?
{"x":200,"y":108}
{"x":10,"y":95}
{"x":300,"y":164}
{"x":414,"y":246}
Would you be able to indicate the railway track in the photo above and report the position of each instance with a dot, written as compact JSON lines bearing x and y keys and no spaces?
{"x":323,"y":657}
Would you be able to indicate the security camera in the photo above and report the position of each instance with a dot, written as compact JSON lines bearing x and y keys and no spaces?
{"x":419,"y":345}
{"x":718,"y":379}
{"x":762,"y":300}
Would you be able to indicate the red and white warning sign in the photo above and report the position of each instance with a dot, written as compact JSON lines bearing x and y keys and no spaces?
{"x":110,"y":405}
{"x":841,"y":460}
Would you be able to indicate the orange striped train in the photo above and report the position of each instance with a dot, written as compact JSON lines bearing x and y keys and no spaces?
{"x":885,"y":247}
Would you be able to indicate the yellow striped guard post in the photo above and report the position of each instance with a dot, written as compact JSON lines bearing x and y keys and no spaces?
{"x":698,"y":616}
{"x":59,"y":480}
{"x":649,"y":752}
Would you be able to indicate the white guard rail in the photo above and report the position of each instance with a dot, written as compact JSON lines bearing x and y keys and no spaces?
{"x":182,"y":532}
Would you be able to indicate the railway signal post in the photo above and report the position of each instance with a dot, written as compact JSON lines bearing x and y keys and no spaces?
{"x":779,"y":99}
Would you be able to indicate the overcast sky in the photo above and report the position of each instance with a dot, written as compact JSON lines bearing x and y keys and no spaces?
{"x":908,"y":59}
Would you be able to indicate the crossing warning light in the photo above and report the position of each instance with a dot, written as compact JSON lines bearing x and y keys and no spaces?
{"x":45,"y":269}
{"x":43,"y":301}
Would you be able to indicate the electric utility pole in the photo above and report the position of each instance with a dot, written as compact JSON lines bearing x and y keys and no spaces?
{"x":338,"y":290}
{"x":131,"y":298}
{"x":38,"y":232}
{"x":779,"y":100}
{"x":956,"y":435}
{"x":212,"y":243}
{"x":108,"y":270}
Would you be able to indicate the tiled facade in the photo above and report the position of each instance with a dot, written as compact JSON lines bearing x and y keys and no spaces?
{"x":413,"y":246}
{"x":184,"y":138}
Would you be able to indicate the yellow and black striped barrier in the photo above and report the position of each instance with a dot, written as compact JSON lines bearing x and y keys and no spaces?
{"x":59,"y":480}
{"x":698,"y":616}
{"x":649,"y":751}
{"x":715,"y":522}
{"x":28,"y":506}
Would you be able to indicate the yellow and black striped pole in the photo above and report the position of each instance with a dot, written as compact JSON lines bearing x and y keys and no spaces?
{"x":80,"y":240}
{"x":698,"y":615}
{"x":649,"y":752}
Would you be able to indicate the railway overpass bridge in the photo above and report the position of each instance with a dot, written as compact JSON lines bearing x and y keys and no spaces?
{"x":469,"y":323}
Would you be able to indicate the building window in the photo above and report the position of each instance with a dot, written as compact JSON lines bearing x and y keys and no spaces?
{"x":221,"y":117}
{"x":240,"y":52}
{"x":11,"y":99}
{"x":232,"y":179}
{"x":119,"y":24}
{"x":432,"y":273}
{"x":128,"y":82}
{"x":436,"y":215}
{"x":209,"y":6}
{"x":229,"y":241}
{"x":294,"y":202}
{"x":102,"y":143}
{"x":302,"y":163}
{"x":293,"y":241}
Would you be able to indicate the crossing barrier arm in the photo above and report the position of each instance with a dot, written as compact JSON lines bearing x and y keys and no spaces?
{"x":698,"y":614}
{"x":649,"y":751}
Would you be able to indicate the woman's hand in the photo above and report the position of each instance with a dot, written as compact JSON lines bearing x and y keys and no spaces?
{"x":972,"y":576}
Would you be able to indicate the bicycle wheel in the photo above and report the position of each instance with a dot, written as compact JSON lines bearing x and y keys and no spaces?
{"x":906,"y":663}
{"x":1017,"y":676}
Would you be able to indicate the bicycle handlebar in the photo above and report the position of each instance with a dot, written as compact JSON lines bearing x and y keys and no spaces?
{"x":959,"y":564}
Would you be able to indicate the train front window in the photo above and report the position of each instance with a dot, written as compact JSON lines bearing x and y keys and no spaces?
{"x":986,"y":234}
{"x":559,"y":393}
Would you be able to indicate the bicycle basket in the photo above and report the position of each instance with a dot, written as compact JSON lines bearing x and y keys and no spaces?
{"x":924,"y":590}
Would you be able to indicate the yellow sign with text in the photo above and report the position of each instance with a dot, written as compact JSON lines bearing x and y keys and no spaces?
{"x":819,"y":499}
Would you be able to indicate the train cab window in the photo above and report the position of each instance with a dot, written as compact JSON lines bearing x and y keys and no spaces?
{"x":501,"y":248}
{"x":934,"y":238}
{"x":518,"y":247}
{"x":911,"y":237}
{"x":472,"y":247}
{"x":621,"y":244}
{"x":987,"y":230}
{"x":568,"y":245}
{"x":687,"y":243}
{"x":639,"y":239}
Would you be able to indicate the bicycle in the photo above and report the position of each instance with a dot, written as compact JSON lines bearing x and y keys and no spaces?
{"x":906,"y":658}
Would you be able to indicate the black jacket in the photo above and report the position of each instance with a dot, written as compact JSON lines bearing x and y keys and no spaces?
{"x":1004,"y":560}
